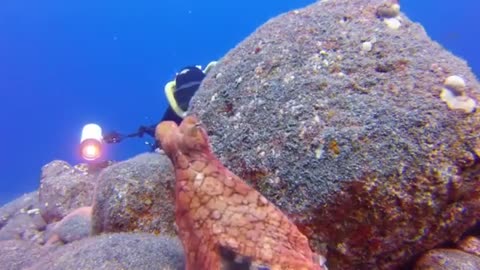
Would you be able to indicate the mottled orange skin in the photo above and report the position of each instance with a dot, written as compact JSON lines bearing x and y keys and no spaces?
{"x":214,"y":208}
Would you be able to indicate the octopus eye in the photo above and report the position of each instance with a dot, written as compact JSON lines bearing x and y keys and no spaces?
{"x":233,"y":261}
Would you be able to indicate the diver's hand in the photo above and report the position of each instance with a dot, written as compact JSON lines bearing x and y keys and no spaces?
{"x":113,"y":137}
{"x":150,"y":130}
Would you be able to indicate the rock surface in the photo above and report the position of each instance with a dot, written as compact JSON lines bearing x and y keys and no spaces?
{"x":346,"y":121}
{"x":64,"y":188}
{"x":135,"y":195}
{"x":18,"y":254}
{"x":116,"y":251}
{"x":26,"y":202}
{"x":24,"y":226}
{"x":20,"y":219}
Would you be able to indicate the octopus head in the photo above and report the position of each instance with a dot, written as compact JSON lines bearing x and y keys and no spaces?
{"x":187,"y":138}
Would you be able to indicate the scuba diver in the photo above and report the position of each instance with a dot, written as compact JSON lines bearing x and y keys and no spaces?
{"x":178,"y":92}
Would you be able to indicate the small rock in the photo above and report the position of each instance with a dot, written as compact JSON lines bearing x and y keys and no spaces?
{"x":470,"y":244}
{"x":73,"y":227}
{"x":447,"y":259}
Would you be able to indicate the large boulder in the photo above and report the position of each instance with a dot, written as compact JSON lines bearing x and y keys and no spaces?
{"x":136,"y":195}
{"x":64,"y":188}
{"x":353,"y":121}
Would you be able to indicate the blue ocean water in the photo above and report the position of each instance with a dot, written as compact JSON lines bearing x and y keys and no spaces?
{"x":64,"y":64}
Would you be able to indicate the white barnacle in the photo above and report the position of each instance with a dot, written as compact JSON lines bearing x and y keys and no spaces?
{"x":455,"y":84}
{"x":318,"y":152}
{"x":214,"y":97}
{"x":34,"y":211}
{"x":367,"y":46}
{"x":393,"y":23}
{"x":459,"y":102}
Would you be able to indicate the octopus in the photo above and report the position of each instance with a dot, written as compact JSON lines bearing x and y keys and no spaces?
{"x":223,"y":223}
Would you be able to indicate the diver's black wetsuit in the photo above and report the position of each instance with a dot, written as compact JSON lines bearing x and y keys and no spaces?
{"x":187,"y":82}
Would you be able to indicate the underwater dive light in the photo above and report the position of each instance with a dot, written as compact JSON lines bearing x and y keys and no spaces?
{"x":91,"y":142}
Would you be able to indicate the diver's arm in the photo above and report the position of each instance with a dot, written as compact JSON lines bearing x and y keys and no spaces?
{"x":115,"y":137}
{"x":170,"y":115}
{"x":112,"y":137}
{"x":149,"y":130}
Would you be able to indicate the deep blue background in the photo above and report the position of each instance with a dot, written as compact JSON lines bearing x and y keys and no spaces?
{"x":64,"y":64}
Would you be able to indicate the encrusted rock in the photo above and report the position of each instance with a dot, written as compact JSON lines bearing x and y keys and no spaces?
{"x":358,"y":148}
{"x":135,"y":195}
{"x":64,"y":188}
